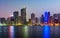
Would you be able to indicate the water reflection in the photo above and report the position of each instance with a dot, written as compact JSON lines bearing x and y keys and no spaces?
{"x":1,"y":32}
{"x":25,"y":31}
{"x":46,"y":31}
{"x":30,"y":31}
{"x":11,"y":31}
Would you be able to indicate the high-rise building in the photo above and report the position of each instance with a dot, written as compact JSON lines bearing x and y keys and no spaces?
{"x":42,"y":20}
{"x":23,"y":15}
{"x":51,"y":21}
{"x":19,"y":20}
{"x":12,"y":20}
{"x":55,"y":18}
{"x":59,"y":18}
{"x":30,"y":23}
{"x":8,"y":21}
{"x":2,"y":20}
{"x":48,"y":13}
{"x":48,"y":17}
{"x":36,"y":21}
{"x":15,"y":15}
{"x":33,"y":18}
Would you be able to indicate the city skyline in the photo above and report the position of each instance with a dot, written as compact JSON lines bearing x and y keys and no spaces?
{"x":7,"y":7}
{"x":45,"y":18}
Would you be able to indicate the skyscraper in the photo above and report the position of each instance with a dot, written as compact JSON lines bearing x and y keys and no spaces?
{"x":55,"y":18}
{"x":30,"y":23}
{"x":2,"y":20}
{"x":16,"y":15}
{"x":51,"y":21}
{"x":42,"y":20}
{"x":33,"y":18}
{"x":23,"y":15}
{"x":48,"y":17}
{"x":12,"y":20}
{"x":59,"y":18}
{"x":36,"y":21}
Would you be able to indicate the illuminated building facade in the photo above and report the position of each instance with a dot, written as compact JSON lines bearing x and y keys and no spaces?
{"x":30,"y":22}
{"x":51,"y":21}
{"x":46,"y":18}
{"x":19,"y":20}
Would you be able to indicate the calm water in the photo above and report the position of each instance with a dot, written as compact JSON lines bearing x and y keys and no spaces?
{"x":30,"y":32}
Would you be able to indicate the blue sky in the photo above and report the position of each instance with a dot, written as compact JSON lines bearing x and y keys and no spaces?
{"x":7,"y":7}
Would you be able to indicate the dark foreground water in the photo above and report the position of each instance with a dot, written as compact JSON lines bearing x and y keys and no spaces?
{"x":29,"y":31}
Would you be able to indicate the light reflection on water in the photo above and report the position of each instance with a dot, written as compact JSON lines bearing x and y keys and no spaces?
{"x":11,"y":31}
{"x":36,"y":31}
{"x":46,"y":31}
{"x":25,"y":31}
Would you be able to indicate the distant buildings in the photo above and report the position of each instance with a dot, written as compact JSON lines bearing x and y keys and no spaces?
{"x":51,"y":21}
{"x":55,"y":18}
{"x":48,"y":17}
{"x":16,"y":15}
{"x":42,"y":19}
{"x":33,"y":18}
{"x":36,"y":21}
{"x":30,"y":22}
{"x":45,"y":19}
{"x":59,"y":18}
{"x":23,"y":15}
{"x":2,"y":20}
